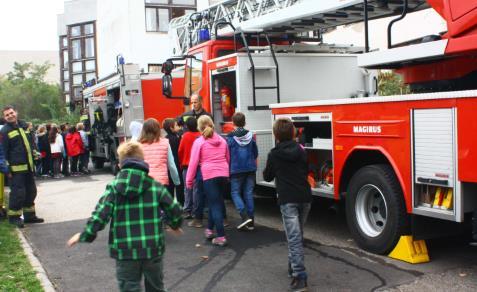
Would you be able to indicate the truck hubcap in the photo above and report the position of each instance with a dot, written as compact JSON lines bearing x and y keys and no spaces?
{"x":371,"y":210}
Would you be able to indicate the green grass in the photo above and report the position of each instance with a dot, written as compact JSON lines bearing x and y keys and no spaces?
{"x":16,"y":273}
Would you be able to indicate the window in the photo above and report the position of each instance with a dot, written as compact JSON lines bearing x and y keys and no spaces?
{"x":159,"y":12}
{"x":151,"y":19}
{"x":77,"y":66}
{"x":184,"y":2}
{"x":77,"y":92}
{"x":67,"y":98}
{"x":157,"y":1}
{"x":76,"y":48}
{"x":78,"y":79}
{"x":163,"y":17}
{"x":64,"y":42}
{"x":89,"y":48}
{"x":75,"y":31}
{"x":88,"y":28}
{"x":151,"y":68}
{"x":90,"y":76}
{"x":66,"y":75}
{"x":90,"y":65}
{"x":66,"y":86}
{"x":65,"y":59}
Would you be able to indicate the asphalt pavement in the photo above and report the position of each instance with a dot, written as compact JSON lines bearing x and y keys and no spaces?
{"x":253,"y":261}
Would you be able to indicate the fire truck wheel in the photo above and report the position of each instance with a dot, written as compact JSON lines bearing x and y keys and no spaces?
{"x":375,"y":209}
{"x":98,"y":163}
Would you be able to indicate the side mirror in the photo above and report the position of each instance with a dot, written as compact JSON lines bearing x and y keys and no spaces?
{"x":167,"y":68}
{"x":167,"y":85}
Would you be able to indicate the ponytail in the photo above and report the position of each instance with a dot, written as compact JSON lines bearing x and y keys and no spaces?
{"x":208,"y":132}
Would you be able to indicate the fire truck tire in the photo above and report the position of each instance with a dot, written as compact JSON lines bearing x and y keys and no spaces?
{"x":375,"y":209}
{"x":98,"y":163}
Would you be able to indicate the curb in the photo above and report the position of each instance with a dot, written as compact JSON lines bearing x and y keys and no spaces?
{"x":40,"y":272}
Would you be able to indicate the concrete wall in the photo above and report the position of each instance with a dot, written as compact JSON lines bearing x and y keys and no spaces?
{"x":124,"y":32}
{"x":37,"y":57}
{"x":77,"y":11}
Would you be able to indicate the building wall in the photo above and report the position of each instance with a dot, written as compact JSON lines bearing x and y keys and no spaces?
{"x":77,"y":11}
{"x":36,"y":57}
{"x":124,"y":32}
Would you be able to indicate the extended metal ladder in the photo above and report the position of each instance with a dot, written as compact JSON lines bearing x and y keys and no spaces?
{"x":278,"y":17}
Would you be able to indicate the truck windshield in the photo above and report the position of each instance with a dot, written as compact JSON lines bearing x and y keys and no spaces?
{"x":193,"y":80}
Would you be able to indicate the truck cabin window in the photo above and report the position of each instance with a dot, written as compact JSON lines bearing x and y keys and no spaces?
{"x":193,"y":75}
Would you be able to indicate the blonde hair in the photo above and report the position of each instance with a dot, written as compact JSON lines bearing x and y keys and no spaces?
{"x":130,"y":149}
{"x":151,"y":131}
{"x":206,"y":126}
{"x":79,"y":126}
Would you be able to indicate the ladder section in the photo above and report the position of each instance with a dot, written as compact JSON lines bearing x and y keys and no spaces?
{"x":254,"y":69}
{"x":278,"y":17}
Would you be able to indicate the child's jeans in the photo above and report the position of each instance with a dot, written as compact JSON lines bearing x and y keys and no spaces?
{"x":198,"y":196}
{"x":129,"y":273}
{"x":188,"y":200}
{"x":241,"y":186}
{"x":294,"y":217}
{"x":214,"y":191}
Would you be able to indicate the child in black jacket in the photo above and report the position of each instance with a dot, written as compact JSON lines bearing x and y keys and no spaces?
{"x":287,"y":164}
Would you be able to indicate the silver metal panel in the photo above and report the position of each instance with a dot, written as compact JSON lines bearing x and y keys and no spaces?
{"x":434,"y":145}
{"x":264,"y":144}
{"x":131,"y":94}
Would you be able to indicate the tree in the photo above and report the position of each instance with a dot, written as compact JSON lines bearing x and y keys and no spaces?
{"x":390,"y":83}
{"x":26,"y":89}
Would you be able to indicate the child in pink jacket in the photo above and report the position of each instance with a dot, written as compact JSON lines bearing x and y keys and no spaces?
{"x":211,"y":154}
{"x":158,"y":153}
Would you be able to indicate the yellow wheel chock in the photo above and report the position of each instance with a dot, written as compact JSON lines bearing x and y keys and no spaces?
{"x":408,"y":250}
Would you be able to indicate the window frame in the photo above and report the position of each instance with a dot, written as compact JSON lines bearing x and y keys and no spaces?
{"x":169,"y":6}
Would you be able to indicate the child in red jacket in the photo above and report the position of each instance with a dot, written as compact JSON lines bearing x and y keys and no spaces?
{"x":75,"y":148}
{"x":185,"y":147}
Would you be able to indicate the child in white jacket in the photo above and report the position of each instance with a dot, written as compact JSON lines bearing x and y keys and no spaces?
{"x":57,"y":148}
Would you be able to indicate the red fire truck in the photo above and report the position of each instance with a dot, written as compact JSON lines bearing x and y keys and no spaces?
{"x":403,"y":164}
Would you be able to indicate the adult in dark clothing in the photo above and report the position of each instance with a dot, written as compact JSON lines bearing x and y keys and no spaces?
{"x":172,"y":129}
{"x":196,"y":111}
{"x":19,"y":155}
{"x":45,"y":150}
{"x":287,"y":164}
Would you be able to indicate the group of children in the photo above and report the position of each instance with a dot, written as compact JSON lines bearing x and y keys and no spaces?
{"x":208,"y":162}
{"x":63,"y":150}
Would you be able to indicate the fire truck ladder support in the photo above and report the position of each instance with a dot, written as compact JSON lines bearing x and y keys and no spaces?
{"x":253,"y":68}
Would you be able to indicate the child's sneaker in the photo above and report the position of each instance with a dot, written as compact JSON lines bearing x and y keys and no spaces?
{"x":195,"y":223}
{"x":298,"y":285}
{"x":209,"y":234}
{"x":251,"y":225}
{"x":220,"y":241}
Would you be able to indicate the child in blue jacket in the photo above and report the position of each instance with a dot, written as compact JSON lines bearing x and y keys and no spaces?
{"x":243,"y":165}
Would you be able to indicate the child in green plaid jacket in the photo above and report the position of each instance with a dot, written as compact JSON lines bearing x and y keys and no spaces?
{"x":133,"y":202}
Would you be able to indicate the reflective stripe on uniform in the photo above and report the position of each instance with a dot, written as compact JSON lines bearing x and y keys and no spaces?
{"x":13,"y":134}
{"x":83,"y":118}
{"x":21,"y":167}
{"x":29,"y":209}
{"x":28,"y":148}
{"x":14,"y":212}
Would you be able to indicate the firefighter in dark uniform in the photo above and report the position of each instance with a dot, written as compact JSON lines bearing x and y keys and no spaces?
{"x":18,"y":150}
{"x":84,"y":118}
